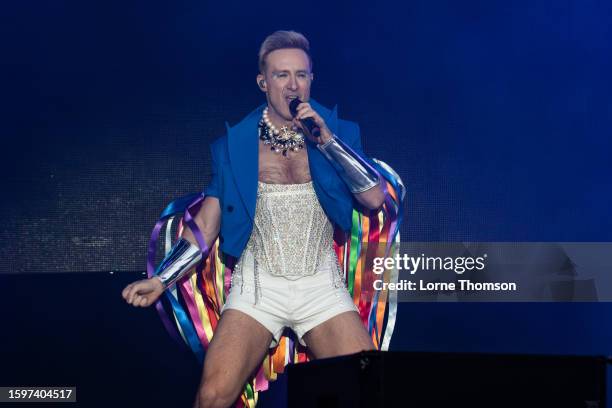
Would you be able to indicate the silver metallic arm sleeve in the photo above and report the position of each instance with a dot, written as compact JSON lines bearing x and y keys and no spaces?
{"x":182,"y":257}
{"x":352,"y":168}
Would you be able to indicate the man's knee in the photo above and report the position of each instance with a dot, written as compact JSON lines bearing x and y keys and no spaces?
{"x":213,"y":394}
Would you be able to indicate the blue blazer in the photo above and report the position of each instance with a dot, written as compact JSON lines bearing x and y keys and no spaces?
{"x":235,"y":175}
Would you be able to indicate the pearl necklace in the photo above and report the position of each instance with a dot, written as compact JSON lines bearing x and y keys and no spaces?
{"x":282,"y":140}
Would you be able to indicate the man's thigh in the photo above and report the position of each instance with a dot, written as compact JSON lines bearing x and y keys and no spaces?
{"x":239,"y":345}
{"x":342,"y":334}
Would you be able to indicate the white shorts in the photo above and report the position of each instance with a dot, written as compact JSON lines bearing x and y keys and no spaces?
{"x":299,"y":304}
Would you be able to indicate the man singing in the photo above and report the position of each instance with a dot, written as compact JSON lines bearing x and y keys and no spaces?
{"x":278,"y":191}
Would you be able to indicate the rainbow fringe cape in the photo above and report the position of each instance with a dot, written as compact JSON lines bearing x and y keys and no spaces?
{"x":190,"y":310}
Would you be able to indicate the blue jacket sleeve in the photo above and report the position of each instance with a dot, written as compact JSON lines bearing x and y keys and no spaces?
{"x":214,"y":187}
{"x":355,"y":143}
{"x":352,"y":137}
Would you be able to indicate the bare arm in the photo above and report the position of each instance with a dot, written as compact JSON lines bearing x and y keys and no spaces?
{"x":208,"y":219}
{"x":145,"y":292}
{"x":372,"y":198}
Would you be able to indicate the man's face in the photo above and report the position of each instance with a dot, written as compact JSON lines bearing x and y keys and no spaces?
{"x":287,"y":77}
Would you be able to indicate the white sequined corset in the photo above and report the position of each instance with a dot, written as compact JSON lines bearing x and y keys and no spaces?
{"x":292,"y":235}
{"x":291,"y":238}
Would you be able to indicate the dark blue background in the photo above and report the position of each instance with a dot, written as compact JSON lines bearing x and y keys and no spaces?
{"x":497,"y":115}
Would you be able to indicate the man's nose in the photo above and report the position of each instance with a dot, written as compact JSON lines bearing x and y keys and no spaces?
{"x":293,"y":84}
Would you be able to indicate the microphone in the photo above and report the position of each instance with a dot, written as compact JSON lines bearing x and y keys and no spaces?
{"x":308,"y":123}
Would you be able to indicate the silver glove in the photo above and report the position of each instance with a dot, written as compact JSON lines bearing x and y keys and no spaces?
{"x":358,"y":175}
{"x":182,"y":257}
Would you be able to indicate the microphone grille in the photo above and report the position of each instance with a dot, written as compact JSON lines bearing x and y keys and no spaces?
{"x":293,"y":106}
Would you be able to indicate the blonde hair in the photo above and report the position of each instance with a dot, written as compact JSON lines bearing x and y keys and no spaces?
{"x":280,"y":40}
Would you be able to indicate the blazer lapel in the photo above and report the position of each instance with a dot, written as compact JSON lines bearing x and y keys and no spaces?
{"x":243,"y":149}
{"x":322,"y":172}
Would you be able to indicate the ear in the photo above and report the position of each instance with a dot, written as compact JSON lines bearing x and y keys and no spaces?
{"x":261,"y":83}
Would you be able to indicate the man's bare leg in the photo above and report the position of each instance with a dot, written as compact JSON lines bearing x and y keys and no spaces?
{"x":342,"y":334}
{"x":239,"y":345}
